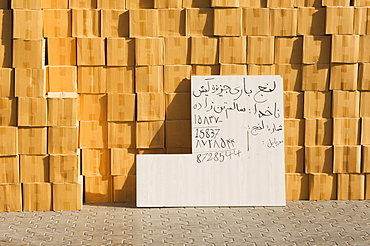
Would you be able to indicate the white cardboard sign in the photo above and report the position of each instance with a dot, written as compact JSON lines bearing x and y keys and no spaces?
{"x":237,"y":148}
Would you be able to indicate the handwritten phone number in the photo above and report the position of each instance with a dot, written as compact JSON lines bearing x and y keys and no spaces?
{"x":206,"y":133}
{"x":219,"y":156}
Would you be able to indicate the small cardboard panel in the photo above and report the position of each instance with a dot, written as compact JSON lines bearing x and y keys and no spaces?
{"x":237,"y":148}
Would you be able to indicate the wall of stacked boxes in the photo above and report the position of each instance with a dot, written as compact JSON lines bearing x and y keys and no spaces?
{"x":85,"y":85}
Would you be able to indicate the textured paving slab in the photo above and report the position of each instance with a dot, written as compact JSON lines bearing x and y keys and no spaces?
{"x":299,"y":223}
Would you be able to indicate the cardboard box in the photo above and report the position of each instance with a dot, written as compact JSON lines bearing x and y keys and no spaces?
{"x":288,"y":50}
{"x":293,"y":104}
{"x":91,"y":51}
{"x":364,"y":76}
{"x":86,"y":23}
{"x":346,"y":104}
{"x":199,"y":22}
{"x":62,"y":140}
{"x":260,"y":50}
{"x":294,"y":159}
{"x":360,"y":3}
{"x":7,"y":147}
{"x":123,"y":161}
{"x":114,"y":23}
{"x":347,"y":159}
{"x":227,"y":22}
{"x":55,"y":4}
{"x":149,"y":79}
{"x":8,"y":111}
{"x":339,"y":20}
{"x":6,"y":82}
{"x":6,"y":50}
{"x":140,"y":4}
{"x":296,"y":186}
{"x":318,"y":159}
{"x":224,"y":3}
{"x":364,"y":53}
{"x":318,"y":132}
{"x":98,"y":189}
{"x":178,"y":134}
{"x":92,"y":107}
{"x":24,"y":4}
{"x":150,"y":106}
{"x":168,"y":4}
{"x":280,"y":4}
{"x":253,"y":3}
{"x":67,"y":196}
{"x":34,"y":168}
{"x":205,"y":70}
{"x":204,"y":50}
{"x":120,"y":52}
{"x":5,"y":4}
{"x":64,"y":168}
{"x":176,"y":50}
{"x":294,"y":132}
{"x":27,"y":53}
{"x":93,"y":134}
{"x":11,"y":198}
{"x":121,"y":79}
{"x":112,"y":4}
{"x":9,"y":169}
{"x":315,"y":77}
{"x":150,"y":134}
{"x":178,"y":106}
{"x":291,"y":73}
{"x":32,"y":111}
{"x":149,"y":51}
{"x":345,"y":48}
{"x":28,"y":24}
{"x":346,"y":131}
{"x":284,"y":22}
{"x":360,"y":21}
{"x":6,"y":23}
{"x":143,"y":22}
{"x":366,"y":159}
{"x":323,"y":186}
{"x":365,"y":101}
{"x":177,"y":79}
{"x":365,"y":131}
{"x":256,"y":21}
{"x":171,"y":22}
{"x":233,"y":69}
{"x":196,"y":3}
{"x":124,"y":188}
{"x":92,"y":80}
{"x":232,"y":50}
{"x":30,"y":82}
{"x":82,"y":4}
{"x":317,"y":104}
{"x":121,"y":135}
{"x":308,"y":3}
{"x":62,"y":79}
{"x":121,"y":107}
{"x":343,"y":77}
{"x":351,"y":186}
{"x":254,"y":69}
{"x":316,"y":49}
{"x":37,"y":197}
{"x":62,"y":51}
{"x":335,"y":3}
{"x":57,"y":23}
{"x":62,"y":111}
{"x":95,"y":162}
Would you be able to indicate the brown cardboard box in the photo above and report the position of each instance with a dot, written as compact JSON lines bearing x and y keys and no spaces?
{"x":294,"y":132}
{"x":150,"y":107}
{"x":196,"y":3}
{"x":57,"y":23}
{"x":121,"y":107}
{"x":90,"y":51}
{"x":98,"y":189}
{"x":112,"y":4}
{"x":177,"y":79}
{"x":32,"y":111}
{"x":120,"y":52}
{"x":360,"y":21}
{"x":149,"y":79}
{"x":34,"y":168}
{"x":178,"y":106}
{"x":150,"y":134}
{"x":27,"y":53}
{"x":37,"y":197}
{"x":9,"y":169}
{"x":318,"y":132}
{"x":346,"y":131}
{"x":366,"y":160}
{"x":92,"y":80}
{"x":316,"y":49}
{"x":67,"y":196}
{"x":233,"y":69}
{"x":318,"y":159}
{"x":140,"y":4}
{"x":296,"y":186}
{"x":256,"y":22}
{"x":280,"y":4}
{"x":121,"y":135}
{"x":253,"y":3}
{"x":30,"y":82}
{"x":93,"y":134}
{"x":149,"y":51}
{"x":168,"y":4}
{"x":351,"y":186}
{"x":339,"y":20}
{"x":176,"y":50}
{"x":360,"y":3}
{"x":7,"y":147}
{"x":124,"y":188}
{"x":123,"y":161}
{"x":114,"y":23}
{"x":293,"y":104}
{"x":199,"y":22}
{"x":62,"y":140}
{"x":143,"y":22}
{"x":284,"y":22}
{"x":291,"y":73}
{"x":55,"y":4}
{"x":205,"y":70}
{"x":171,"y":22}
{"x":323,"y":186}
{"x":120,"y":79}
{"x":62,"y":51}
{"x":28,"y":24}
{"x":335,"y":2}
{"x":364,"y":103}
{"x":315,"y":77}
{"x":6,"y":50}
{"x":232,"y":50}
{"x":294,"y":159}
{"x":364,"y":53}
{"x":86,"y":23}
{"x":365,"y":131}
{"x":93,"y":107}
{"x":364,"y":76}
{"x":343,"y":76}
{"x":62,"y":79}
{"x":95,"y":162}
{"x":178,"y":134}
{"x":5,"y":4}
{"x":64,"y":168}
{"x":6,"y":82}
{"x":288,"y":50}
{"x":224,"y":3}
{"x":345,"y":48}
{"x":260,"y":50}
{"x":204,"y":50}
{"x":346,"y":104}
{"x":6,"y":23}
{"x":227,"y":22}
{"x":308,"y":3}
{"x":11,"y":198}
{"x":8,"y":111}
{"x":254,"y":69}
{"x":62,"y":111}
{"x":83,"y":4}
{"x":347,"y":159}
{"x":24,"y":4}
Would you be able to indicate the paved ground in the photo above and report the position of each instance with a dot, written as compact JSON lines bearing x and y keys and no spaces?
{"x":299,"y":223}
